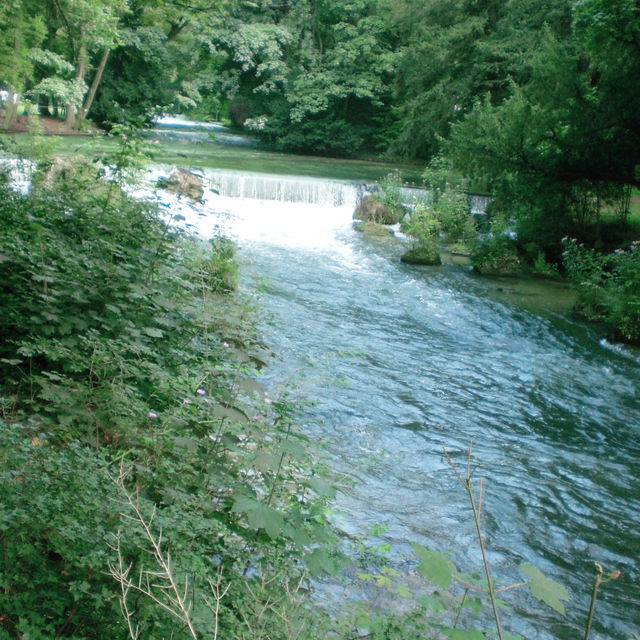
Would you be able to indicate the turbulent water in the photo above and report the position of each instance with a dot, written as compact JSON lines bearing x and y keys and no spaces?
{"x":402,"y":362}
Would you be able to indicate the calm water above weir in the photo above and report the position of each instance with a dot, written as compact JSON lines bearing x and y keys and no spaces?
{"x":400,"y":362}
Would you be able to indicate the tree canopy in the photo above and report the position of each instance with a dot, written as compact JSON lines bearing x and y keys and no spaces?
{"x":531,"y":96}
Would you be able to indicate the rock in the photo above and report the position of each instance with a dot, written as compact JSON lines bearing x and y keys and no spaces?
{"x":372,"y":209}
{"x":422,"y":255}
{"x":183,"y":182}
{"x":60,"y":169}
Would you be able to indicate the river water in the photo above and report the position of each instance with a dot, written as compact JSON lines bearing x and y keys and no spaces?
{"x":390,"y":364}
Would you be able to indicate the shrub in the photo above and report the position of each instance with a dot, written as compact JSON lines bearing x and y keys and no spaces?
{"x":220,"y":267}
{"x":112,"y":353}
{"x":607,"y":286}
{"x":496,"y":255}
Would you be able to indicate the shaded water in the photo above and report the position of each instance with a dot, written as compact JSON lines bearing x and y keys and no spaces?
{"x":402,"y":361}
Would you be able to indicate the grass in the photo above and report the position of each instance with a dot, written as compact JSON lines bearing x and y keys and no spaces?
{"x":216,"y":155}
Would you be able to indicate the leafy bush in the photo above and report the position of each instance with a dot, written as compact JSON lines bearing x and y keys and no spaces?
{"x":220,"y":267}
{"x":423,"y":227}
{"x":496,"y":255}
{"x":114,"y":355}
{"x":448,"y":216}
{"x":607,"y":285}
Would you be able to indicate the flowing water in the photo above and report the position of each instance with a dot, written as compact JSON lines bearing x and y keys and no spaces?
{"x":401,"y":362}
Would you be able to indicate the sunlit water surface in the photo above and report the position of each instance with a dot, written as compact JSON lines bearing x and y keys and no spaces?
{"x":402,"y":362}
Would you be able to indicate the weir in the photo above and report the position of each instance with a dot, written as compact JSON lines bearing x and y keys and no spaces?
{"x":258,"y":186}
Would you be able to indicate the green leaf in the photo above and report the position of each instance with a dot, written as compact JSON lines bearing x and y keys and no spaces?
{"x":545,"y":589}
{"x":403,"y":592}
{"x":475,"y":604}
{"x":260,"y":515}
{"x":153,"y":332}
{"x":294,"y":449}
{"x":432,"y":604}
{"x":435,"y":566}
{"x":319,"y":562}
{"x":322,"y":487}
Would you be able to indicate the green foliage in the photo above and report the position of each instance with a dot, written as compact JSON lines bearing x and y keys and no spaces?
{"x":546,"y":590}
{"x":221,"y":269}
{"x":496,"y":255}
{"x":607,"y":286}
{"x":423,"y":226}
{"x":447,"y":218}
{"x":139,"y":79}
{"x":118,"y":351}
{"x":390,"y":191}
{"x":435,"y":566}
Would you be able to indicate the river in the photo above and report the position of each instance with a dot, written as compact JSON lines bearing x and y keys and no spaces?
{"x":389,"y":364}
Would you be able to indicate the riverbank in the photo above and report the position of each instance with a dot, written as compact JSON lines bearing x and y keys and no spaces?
{"x":153,"y":483}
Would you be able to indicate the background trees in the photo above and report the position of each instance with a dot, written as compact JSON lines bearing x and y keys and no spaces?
{"x":537,"y":98}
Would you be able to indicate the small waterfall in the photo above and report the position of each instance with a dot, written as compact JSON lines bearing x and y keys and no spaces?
{"x":258,"y":186}
{"x":478,"y":204}
{"x":414,"y":195}
{"x":19,"y":171}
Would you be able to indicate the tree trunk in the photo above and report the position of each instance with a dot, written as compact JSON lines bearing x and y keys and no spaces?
{"x":70,"y":120}
{"x":94,"y":85}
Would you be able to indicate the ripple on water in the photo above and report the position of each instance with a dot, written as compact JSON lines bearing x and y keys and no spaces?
{"x":402,"y":362}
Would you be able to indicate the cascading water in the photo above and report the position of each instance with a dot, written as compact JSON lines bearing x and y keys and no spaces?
{"x":401,"y":362}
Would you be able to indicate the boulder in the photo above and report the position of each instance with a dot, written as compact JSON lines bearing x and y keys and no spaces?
{"x":372,"y":209}
{"x":183,"y":182}
{"x":425,"y":255}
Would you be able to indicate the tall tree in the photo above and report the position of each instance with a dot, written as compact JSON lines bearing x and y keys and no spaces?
{"x":86,"y":28}
{"x":566,"y":139}
{"x":22,"y":28}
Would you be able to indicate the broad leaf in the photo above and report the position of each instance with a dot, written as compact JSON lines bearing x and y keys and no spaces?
{"x":260,"y":515}
{"x":435,"y":566}
{"x":545,"y":589}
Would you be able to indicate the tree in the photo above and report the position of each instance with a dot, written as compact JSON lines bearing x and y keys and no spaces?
{"x":83,"y":29}
{"x":22,"y":27}
{"x":565,"y":141}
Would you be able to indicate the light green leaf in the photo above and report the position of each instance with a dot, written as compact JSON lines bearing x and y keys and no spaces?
{"x":431,"y":603}
{"x":383,"y":581}
{"x":294,"y":449}
{"x":367,"y":577}
{"x":549,"y":591}
{"x":403,"y":592}
{"x":153,"y":332}
{"x":435,"y":566}
{"x":260,"y":516}
{"x":322,"y":487}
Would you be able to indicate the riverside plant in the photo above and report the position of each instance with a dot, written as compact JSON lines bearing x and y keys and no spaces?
{"x":607,"y":286}
{"x":118,"y":347}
